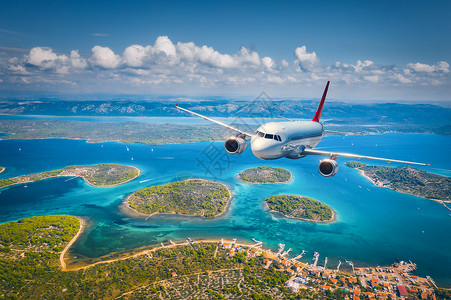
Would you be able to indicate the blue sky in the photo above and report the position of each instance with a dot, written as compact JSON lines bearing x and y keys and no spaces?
{"x":370,"y":50}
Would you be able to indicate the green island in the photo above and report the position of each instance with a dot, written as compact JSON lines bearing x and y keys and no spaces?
{"x":193,"y":197}
{"x":2,"y":169}
{"x":407,"y":180}
{"x":101,"y":175}
{"x":299,"y":207}
{"x":30,"y":269}
{"x":265,"y":175}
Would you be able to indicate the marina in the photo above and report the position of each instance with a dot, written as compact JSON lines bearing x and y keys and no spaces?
{"x":390,"y":282}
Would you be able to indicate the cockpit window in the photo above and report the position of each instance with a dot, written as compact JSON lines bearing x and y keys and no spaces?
{"x":268,"y":136}
{"x":259,"y":133}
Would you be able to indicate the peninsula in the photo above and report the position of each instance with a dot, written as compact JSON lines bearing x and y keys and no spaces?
{"x":193,"y":197}
{"x":101,"y":175}
{"x":29,"y":268}
{"x":98,"y":132}
{"x":407,"y":180}
{"x":299,"y":207}
{"x":265,"y":175}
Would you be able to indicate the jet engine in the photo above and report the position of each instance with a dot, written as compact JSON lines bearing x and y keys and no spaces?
{"x":328,"y":167}
{"x":235,"y":145}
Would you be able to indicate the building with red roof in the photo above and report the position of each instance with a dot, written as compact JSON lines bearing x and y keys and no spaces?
{"x":402,"y":291}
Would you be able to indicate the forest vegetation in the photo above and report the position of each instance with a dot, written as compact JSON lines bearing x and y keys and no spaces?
{"x":193,"y":197}
{"x":407,"y":180}
{"x":265,"y":174}
{"x":299,"y":207}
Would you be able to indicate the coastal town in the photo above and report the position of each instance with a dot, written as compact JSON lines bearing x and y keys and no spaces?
{"x":390,"y":282}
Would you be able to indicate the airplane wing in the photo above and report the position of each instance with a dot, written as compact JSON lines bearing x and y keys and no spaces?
{"x":213,"y":120}
{"x":331,"y":153}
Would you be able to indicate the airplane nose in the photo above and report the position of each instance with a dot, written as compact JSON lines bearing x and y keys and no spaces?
{"x":258,"y":147}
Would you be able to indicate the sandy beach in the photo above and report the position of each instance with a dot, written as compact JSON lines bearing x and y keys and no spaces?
{"x":72,"y":241}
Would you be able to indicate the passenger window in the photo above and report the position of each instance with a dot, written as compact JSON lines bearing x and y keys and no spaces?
{"x":269,"y":136}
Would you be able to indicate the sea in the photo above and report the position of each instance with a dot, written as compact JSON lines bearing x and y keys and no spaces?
{"x":374,"y":226}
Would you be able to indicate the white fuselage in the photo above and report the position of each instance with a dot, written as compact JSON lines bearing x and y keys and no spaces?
{"x":285,"y":139}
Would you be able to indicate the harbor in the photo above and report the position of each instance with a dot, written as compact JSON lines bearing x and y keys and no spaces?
{"x":396,"y":281}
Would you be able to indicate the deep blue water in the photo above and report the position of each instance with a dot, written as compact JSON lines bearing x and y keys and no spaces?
{"x":374,"y":225}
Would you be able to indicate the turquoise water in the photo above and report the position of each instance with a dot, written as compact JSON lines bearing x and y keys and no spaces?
{"x":374,"y":225}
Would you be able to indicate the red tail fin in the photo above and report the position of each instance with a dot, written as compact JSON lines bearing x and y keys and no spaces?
{"x":321,"y":104}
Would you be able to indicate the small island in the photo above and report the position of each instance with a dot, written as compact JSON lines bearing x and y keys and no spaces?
{"x":299,"y":207}
{"x":193,"y":197}
{"x":101,"y":175}
{"x":407,"y":180}
{"x":265,"y":175}
{"x":2,"y":169}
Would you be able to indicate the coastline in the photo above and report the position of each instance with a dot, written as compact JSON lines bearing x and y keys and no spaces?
{"x":91,"y":141}
{"x":152,"y":248}
{"x":125,"y":208}
{"x":334,"y":215}
{"x":70,"y":174}
{"x":72,"y":241}
{"x":276,"y":182}
{"x":116,"y":184}
{"x":148,"y":250}
{"x":362,"y":173}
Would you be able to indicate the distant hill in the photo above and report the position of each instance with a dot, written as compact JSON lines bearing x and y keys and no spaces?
{"x":396,"y":117}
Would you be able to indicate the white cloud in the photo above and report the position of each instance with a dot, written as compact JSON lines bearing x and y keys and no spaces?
{"x":372,"y":78}
{"x":104,"y":57}
{"x":418,"y":67}
{"x":134,"y":55}
{"x":164,"y":44}
{"x":275,"y":79}
{"x":362,"y":65}
{"x":268,"y":62}
{"x":39,"y":55}
{"x":16,"y":67}
{"x":77,"y":61}
{"x":212,"y":57}
{"x":168,"y":65}
{"x":249,"y":57}
{"x":441,"y":66}
{"x":306,"y":61}
{"x":45,"y":58}
{"x":401,"y":78}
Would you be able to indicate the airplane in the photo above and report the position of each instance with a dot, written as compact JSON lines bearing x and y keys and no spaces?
{"x":290,"y":139}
